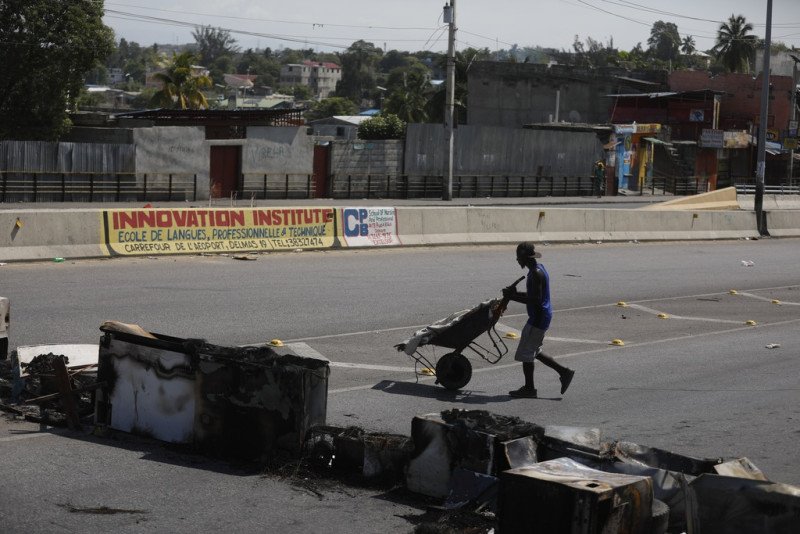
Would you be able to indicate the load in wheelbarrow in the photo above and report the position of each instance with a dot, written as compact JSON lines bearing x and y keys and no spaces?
{"x":459,"y":332}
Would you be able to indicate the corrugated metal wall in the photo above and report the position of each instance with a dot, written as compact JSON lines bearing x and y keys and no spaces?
{"x":41,"y":156}
{"x":42,"y":171}
{"x":495,"y":151}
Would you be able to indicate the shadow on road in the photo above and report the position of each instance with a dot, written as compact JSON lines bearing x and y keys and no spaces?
{"x":430,"y":391}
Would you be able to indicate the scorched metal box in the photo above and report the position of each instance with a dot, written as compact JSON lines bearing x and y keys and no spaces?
{"x":232,"y":401}
{"x":566,"y":497}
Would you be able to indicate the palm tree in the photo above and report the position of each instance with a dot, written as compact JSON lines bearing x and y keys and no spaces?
{"x":735,"y":46}
{"x":180,"y":87}
{"x":409,"y":99}
{"x":688,"y":46}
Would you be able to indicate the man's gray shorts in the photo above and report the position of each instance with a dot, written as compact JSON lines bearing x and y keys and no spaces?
{"x":530,"y":344}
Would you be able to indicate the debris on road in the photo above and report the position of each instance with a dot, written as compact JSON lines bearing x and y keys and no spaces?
{"x":486,"y":471}
{"x":773,"y":345}
{"x":52,"y":384}
{"x":244,"y":402}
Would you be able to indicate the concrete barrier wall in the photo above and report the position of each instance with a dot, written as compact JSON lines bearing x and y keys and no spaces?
{"x":437,"y":226}
{"x":783,"y":223}
{"x":45,"y":234}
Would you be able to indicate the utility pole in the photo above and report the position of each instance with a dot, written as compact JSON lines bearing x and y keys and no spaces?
{"x":794,"y":116}
{"x":450,"y":18}
{"x":762,"y":129}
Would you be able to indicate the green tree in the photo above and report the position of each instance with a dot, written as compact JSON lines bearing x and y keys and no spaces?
{"x":329,"y":107}
{"x":181,"y":89}
{"x":688,"y":45}
{"x":664,"y":40}
{"x":47,"y":47}
{"x":409,"y":89}
{"x":359,"y":71}
{"x":264,"y":66}
{"x":213,"y":43}
{"x":300,"y":92}
{"x":216,"y":49}
{"x":394,"y":59}
{"x":386,"y":126}
{"x":735,"y":46}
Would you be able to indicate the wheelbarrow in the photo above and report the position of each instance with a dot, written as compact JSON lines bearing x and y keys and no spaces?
{"x":458,"y":332}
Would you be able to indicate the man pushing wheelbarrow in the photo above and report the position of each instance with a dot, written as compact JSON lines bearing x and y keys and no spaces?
{"x":540,"y":311}
{"x":460,"y":330}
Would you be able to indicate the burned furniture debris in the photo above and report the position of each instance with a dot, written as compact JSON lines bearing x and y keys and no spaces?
{"x":243,"y":402}
{"x":572,"y":479}
{"x":373,"y":455}
{"x":54,"y":384}
{"x":565,"y":496}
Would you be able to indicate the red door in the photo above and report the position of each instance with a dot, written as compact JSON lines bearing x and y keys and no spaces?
{"x":226,"y":162}
{"x":321,"y":170}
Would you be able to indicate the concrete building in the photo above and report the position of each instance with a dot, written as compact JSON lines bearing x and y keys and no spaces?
{"x":320,"y":77}
{"x":515,"y":94}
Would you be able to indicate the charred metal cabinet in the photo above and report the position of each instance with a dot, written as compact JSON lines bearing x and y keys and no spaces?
{"x":567,"y":497}
{"x":244,"y":402}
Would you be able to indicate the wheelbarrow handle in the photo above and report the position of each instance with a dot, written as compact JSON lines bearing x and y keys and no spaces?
{"x":501,"y":306}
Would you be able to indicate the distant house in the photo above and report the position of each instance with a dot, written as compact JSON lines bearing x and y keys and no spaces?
{"x":338,"y":126}
{"x":320,"y":77}
{"x":116,"y":75}
{"x":240,"y":82}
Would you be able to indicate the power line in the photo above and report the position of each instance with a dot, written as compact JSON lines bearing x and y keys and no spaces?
{"x":277,"y":21}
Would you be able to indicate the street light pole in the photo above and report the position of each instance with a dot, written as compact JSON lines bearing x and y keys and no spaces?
{"x":450,"y":18}
{"x":762,"y":128}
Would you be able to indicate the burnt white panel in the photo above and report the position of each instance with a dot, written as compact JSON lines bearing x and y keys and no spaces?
{"x":154,"y":393}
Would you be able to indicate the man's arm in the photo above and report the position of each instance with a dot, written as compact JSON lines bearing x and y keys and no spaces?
{"x":532,"y":297}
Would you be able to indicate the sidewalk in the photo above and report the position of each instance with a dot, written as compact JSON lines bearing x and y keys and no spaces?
{"x":631,"y":201}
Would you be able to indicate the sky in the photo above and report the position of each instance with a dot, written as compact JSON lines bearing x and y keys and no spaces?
{"x":415,"y":25}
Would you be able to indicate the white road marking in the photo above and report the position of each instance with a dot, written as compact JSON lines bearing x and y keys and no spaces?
{"x":303,"y":349}
{"x":759,"y":297}
{"x":682,"y":317}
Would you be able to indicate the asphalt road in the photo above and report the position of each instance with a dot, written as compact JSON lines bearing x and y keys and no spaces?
{"x":699,"y":381}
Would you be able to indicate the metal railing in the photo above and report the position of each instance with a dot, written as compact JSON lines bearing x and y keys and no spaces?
{"x":21,"y":186}
{"x":349,"y":186}
{"x":749,"y":188}
{"x":286,"y":186}
{"x":678,"y":185}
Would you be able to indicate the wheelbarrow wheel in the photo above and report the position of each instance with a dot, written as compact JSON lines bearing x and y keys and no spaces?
{"x":453,"y":371}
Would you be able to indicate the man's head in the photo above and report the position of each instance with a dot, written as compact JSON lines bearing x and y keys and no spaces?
{"x":526,"y":254}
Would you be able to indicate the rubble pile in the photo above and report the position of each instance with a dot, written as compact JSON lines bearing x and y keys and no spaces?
{"x":490,"y":471}
{"x":31,"y":389}
{"x":479,"y":471}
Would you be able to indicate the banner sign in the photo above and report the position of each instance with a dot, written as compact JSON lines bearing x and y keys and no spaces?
{"x":712,"y":138}
{"x":369,"y":227}
{"x":188,"y":231}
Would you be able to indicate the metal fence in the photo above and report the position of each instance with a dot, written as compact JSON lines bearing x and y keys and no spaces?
{"x":265,"y":186}
{"x":20,"y":186}
{"x":748,"y":187}
{"x":678,"y":185}
{"x":423,"y":186}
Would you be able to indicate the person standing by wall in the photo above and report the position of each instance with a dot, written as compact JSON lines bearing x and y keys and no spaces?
{"x":599,"y":178}
{"x":540,"y":311}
